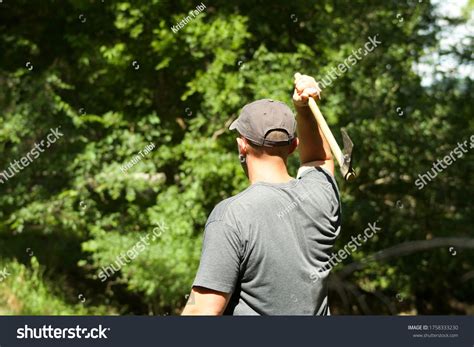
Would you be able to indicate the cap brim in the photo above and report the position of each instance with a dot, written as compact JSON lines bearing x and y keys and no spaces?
{"x":233,"y":126}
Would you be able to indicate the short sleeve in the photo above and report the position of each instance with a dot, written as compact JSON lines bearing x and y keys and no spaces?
{"x":310,"y":167}
{"x":318,"y":179}
{"x":220,"y":259}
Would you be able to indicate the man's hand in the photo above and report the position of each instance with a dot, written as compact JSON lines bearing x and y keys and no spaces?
{"x":305,"y":86}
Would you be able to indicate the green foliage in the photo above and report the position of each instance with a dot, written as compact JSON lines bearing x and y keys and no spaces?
{"x":27,"y":291}
{"x":122,"y":79}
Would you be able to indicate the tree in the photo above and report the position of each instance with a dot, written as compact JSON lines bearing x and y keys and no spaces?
{"x":115,"y":77}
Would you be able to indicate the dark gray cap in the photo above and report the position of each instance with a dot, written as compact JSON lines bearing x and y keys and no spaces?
{"x":259,"y":118}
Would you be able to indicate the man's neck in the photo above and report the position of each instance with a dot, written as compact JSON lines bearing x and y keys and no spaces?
{"x":268,"y":170}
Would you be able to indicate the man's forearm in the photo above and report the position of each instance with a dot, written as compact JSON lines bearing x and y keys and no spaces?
{"x":206,"y":302}
{"x":313,"y":145}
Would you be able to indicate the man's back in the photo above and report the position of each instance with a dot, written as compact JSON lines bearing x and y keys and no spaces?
{"x":264,"y":244}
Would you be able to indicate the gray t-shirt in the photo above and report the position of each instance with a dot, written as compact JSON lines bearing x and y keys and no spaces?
{"x":266,"y":244}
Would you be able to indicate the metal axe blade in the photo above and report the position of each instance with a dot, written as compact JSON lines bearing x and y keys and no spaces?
{"x":346,"y":167}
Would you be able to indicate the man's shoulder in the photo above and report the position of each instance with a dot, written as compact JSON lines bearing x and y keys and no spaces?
{"x":315,"y":172}
{"x":228,"y":209}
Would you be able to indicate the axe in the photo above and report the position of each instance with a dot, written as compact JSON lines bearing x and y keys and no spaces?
{"x":344,"y":157}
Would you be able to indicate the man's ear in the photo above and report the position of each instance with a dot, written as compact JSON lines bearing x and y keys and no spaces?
{"x":242,"y":145}
{"x":294,"y":144}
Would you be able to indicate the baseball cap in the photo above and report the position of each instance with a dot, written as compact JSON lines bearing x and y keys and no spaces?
{"x":259,"y":118}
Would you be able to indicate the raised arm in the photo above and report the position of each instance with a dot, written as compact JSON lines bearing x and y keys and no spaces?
{"x":313,"y":148}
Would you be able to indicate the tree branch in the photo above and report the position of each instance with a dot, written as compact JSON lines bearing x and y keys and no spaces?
{"x":407,"y":248}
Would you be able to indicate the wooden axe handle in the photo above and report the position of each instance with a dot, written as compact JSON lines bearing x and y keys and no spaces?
{"x":336,"y":150}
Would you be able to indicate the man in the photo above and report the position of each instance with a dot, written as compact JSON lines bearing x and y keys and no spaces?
{"x":263,"y":246}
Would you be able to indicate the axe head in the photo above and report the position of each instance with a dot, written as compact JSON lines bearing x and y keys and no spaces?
{"x":346,"y":168}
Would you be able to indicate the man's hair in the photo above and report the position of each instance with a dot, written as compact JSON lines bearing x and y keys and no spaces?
{"x":280,"y":151}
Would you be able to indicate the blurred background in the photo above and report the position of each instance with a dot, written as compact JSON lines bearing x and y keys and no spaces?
{"x":114,"y":77}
